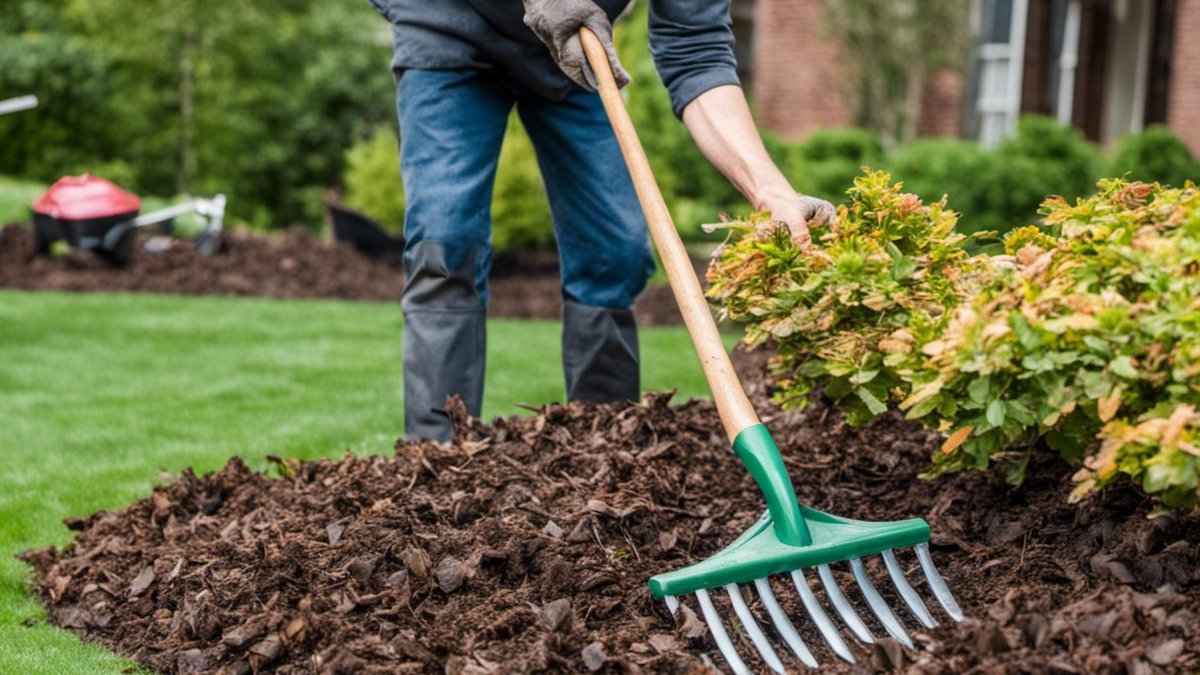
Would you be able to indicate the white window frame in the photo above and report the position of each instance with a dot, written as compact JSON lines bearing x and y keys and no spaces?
{"x":998,"y":113}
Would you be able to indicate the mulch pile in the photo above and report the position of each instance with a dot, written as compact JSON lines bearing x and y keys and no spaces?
{"x":525,"y":546}
{"x":290,"y":264}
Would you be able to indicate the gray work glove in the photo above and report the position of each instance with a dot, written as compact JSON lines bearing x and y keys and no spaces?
{"x":800,"y":213}
{"x":557,"y":23}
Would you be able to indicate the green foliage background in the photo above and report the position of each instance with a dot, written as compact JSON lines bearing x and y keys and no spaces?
{"x":258,"y":100}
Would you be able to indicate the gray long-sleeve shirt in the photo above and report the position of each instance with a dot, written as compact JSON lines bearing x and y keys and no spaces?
{"x":691,"y":41}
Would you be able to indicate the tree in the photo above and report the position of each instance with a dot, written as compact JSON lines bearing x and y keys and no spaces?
{"x":258,"y":100}
{"x":892,"y":49}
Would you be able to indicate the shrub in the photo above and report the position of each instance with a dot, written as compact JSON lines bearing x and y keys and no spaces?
{"x":956,"y":168}
{"x":1044,"y":157}
{"x":828,"y":160}
{"x":885,"y":272}
{"x":1094,"y":331}
{"x":1082,"y":338}
{"x":373,"y":179}
{"x":1156,"y":155}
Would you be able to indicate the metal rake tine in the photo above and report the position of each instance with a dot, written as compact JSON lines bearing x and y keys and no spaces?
{"x":719,"y":635}
{"x":819,"y":617}
{"x":914,"y":601}
{"x":843,"y":606}
{"x":937,"y":584}
{"x":783,"y":624}
{"x":881,"y":609}
{"x":672,"y":603}
{"x":752,"y":629}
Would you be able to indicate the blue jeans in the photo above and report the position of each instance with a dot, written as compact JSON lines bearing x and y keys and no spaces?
{"x":452,"y":124}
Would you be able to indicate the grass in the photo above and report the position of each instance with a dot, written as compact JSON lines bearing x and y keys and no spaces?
{"x":16,"y":195}
{"x":101,"y":394}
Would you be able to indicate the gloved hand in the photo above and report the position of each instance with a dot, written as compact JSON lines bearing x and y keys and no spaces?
{"x":557,"y":23}
{"x":800,"y":213}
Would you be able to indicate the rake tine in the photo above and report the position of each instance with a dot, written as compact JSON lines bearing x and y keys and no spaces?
{"x":881,"y":609}
{"x":843,"y":606}
{"x":783,"y":624}
{"x":752,"y":629}
{"x":914,"y":601}
{"x":719,"y":635}
{"x":937,"y":584}
{"x":819,"y":617}
{"x":672,"y":604}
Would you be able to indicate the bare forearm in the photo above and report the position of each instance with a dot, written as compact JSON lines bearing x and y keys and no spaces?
{"x":719,"y":121}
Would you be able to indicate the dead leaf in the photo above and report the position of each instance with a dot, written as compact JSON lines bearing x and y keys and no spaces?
{"x":141,"y":582}
{"x":664,"y":643}
{"x":956,"y":439}
{"x":335,"y":529}
{"x":1107,"y":406}
{"x":1176,"y":423}
{"x":689,"y":623}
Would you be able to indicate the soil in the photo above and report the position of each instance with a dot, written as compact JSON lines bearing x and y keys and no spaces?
{"x":525,"y":545}
{"x":291,"y":264}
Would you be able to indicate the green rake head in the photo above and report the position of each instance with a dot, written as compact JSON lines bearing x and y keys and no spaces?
{"x":788,"y":539}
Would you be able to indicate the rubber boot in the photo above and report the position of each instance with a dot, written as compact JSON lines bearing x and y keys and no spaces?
{"x":600,"y":354}
{"x":445,"y":340}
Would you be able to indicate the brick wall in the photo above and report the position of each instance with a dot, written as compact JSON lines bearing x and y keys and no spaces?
{"x":1183,"y":101}
{"x":941,"y":109}
{"x":797,"y":88}
{"x":797,"y":84}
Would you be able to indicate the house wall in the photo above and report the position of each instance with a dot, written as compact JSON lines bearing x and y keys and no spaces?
{"x":941,"y":110}
{"x":1183,"y":100}
{"x":798,"y":87}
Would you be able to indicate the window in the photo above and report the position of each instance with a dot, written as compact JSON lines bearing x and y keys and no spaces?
{"x":998,"y":68}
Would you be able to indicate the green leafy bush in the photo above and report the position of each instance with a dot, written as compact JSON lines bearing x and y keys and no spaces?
{"x":373,"y":179}
{"x":887,"y":270}
{"x":1043,"y":157}
{"x":828,"y":160}
{"x":1084,"y":337}
{"x":952,"y":167}
{"x":1156,"y":155}
{"x":1000,"y":188}
{"x":1093,"y":331}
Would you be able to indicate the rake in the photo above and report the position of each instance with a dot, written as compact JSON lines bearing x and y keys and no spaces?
{"x":789,"y":538}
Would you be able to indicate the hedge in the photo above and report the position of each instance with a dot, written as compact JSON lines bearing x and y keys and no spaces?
{"x":1082,"y":337}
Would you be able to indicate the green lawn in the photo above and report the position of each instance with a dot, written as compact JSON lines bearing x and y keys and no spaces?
{"x":15,"y":198}
{"x":99,"y":394}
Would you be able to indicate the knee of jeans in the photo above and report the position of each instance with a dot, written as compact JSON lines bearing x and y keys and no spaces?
{"x":612,"y":278}
{"x":444,"y":276}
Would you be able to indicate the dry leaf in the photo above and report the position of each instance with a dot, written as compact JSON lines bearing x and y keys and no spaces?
{"x":956,"y":439}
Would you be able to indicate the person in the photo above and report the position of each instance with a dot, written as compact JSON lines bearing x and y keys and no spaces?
{"x":461,"y":67}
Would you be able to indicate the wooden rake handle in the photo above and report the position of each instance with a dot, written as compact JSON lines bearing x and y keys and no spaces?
{"x":732,"y":403}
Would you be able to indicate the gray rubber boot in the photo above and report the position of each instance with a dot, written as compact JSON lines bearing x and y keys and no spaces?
{"x":445,"y":340}
{"x":600,"y":354}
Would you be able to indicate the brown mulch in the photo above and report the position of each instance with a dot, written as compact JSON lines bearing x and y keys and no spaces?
{"x":291,"y":264}
{"x":525,"y":546}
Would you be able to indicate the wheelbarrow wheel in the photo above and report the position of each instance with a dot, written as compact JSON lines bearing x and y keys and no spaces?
{"x":120,"y":253}
{"x":41,"y":243}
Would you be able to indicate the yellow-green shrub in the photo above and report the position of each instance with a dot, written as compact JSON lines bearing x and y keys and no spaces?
{"x":1084,"y":337}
